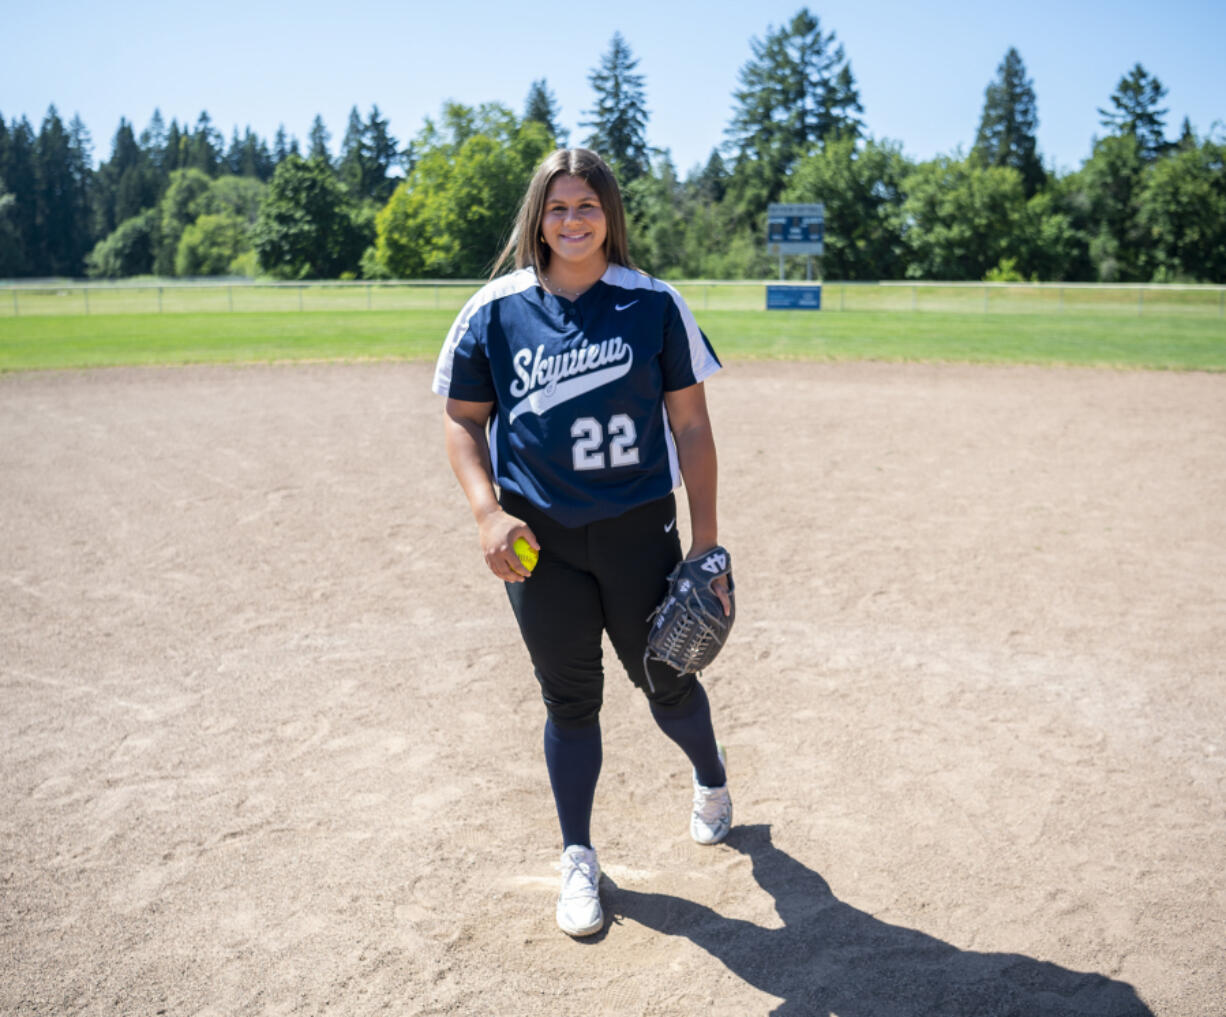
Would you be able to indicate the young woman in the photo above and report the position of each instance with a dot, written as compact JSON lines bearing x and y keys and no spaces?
{"x":575,"y":406}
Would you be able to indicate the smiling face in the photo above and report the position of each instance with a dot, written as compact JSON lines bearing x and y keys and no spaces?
{"x":573,"y":225}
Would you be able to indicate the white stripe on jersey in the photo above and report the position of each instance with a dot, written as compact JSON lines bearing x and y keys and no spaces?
{"x":703,"y":362}
{"x":674,"y":463}
{"x":503,"y":286}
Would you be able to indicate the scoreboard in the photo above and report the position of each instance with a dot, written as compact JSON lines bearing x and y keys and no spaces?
{"x":795,"y":229}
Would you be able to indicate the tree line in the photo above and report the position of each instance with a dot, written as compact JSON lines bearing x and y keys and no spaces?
{"x":179,"y":199}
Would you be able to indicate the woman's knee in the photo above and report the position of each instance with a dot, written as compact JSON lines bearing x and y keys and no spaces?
{"x":667,"y":690}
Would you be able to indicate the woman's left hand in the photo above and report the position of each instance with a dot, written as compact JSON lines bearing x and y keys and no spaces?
{"x":720,"y":585}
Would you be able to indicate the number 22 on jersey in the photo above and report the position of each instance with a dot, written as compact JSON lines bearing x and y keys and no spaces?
{"x":588,"y":451}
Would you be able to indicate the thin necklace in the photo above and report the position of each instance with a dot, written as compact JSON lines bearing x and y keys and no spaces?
{"x":560,"y":290}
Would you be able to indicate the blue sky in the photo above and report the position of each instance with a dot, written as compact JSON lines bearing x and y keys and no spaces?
{"x":921,"y":68}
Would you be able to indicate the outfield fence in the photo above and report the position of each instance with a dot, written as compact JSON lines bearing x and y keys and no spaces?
{"x":224,"y":296}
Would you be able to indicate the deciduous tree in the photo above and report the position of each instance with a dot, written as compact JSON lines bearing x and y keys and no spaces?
{"x":860,"y":186}
{"x":1181,"y":212}
{"x":239,"y":196}
{"x":128,"y":250}
{"x":452,"y":213}
{"x":210,"y":244}
{"x":656,"y":208}
{"x":178,"y":209}
{"x":306,"y":226}
{"x":961,"y":218}
{"x":1104,"y":194}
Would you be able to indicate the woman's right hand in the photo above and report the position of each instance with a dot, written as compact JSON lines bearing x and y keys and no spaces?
{"x":498,"y":532}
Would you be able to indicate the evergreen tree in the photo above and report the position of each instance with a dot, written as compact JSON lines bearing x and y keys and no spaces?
{"x":204,"y":150}
{"x":318,"y":141}
{"x":837,"y":114}
{"x":351,"y":167}
{"x":17,"y":170}
{"x":368,"y":152}
{"x":711,"y":182}
{"x":81,"y":169}
{"x":12,"y":243}
{"x":153,"y":141}
{"x":234,"y":154}
{"x":81,"y":144}
{"x":174,"y":155}
{"x":796,"y":91}
{"x":127,"y":183}
{"x":252,"y":158}
{"x":542,"y":106}
{"x":62,"y":235}
{"x":10,"y":240}
{"x":1136,"y":113}
{"x":1187,"y":137}
{"x":280,"y":147}
{"x":381,"y":154}
{"x":619,"y":118}
{"x":1006,"y":135}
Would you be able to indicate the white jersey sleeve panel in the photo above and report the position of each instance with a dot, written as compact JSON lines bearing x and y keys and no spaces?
{"x":702,"y":358}
{"x":504,"y":286}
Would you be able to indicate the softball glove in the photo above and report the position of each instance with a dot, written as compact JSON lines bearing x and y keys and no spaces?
{"x":689,"y":628}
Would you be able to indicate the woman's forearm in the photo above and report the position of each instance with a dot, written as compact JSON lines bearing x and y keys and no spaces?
{"x":699,"y":470}
{"x":469,"y":454}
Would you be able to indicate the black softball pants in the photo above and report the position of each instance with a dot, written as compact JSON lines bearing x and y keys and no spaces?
{"x":607,"y":576}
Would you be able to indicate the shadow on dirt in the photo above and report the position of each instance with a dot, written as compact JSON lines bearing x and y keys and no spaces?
{"x":830,"y":958}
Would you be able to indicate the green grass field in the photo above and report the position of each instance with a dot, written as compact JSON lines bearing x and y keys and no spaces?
{"x":162,"y":322}
{"x":172,"y":297}
{"x":1158,"y":341}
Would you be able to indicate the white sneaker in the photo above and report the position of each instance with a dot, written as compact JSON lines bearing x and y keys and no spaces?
{"x":579,"y":911}
{"x":712,"y":816}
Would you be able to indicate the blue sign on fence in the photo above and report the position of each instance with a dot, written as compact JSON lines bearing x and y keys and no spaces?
{"x":794,"y":298}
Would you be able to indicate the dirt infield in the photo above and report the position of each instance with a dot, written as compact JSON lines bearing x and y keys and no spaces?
{"x":271,"y":744}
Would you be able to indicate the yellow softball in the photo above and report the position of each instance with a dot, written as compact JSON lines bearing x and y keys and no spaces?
{"x":525,"y":553}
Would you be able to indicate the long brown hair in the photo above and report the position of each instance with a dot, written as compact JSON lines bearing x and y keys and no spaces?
{"x":526,"y":243}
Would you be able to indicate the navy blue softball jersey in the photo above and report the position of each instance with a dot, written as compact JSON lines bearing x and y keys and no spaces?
{"x":579,"y":426}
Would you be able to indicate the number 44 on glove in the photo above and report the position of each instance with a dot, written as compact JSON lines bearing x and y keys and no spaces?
{"x":689,"y":628}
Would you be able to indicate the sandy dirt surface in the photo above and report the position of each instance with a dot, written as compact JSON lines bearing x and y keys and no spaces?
{"x":271,"y":744}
